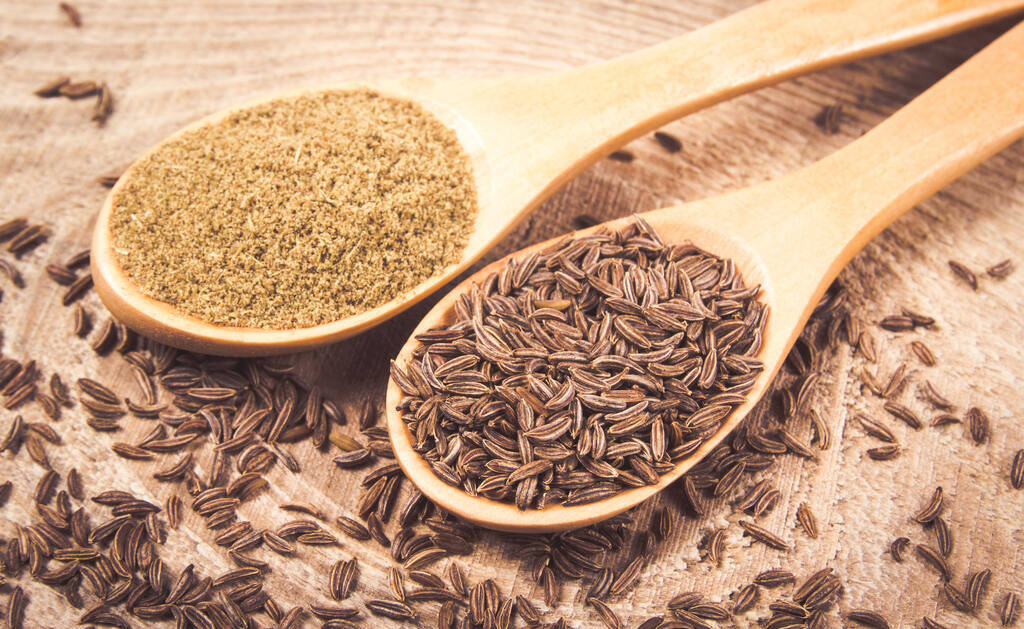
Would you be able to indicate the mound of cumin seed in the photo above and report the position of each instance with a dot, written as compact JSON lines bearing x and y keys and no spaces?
{"x":297,"y":211}
{"x":584,"y":369}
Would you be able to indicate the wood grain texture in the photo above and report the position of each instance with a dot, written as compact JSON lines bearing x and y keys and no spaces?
{"x":171,"y":63}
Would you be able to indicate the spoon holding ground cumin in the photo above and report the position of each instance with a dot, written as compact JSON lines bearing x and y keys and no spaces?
{"x":297,"y":211}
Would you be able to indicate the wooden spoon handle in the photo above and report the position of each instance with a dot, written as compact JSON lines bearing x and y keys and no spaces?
{"x":769,"y":42}
{"x":541,"y":131}
{"x":818,"y":218}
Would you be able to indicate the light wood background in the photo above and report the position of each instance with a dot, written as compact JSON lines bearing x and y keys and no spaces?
{"x":171,"y":62}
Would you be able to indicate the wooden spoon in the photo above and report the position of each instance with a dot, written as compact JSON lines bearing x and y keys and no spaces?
{"x":528,"y":135}
{"x":792,"y":235}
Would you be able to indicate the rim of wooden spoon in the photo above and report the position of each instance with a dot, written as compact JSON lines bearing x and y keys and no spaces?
{"x":167,"y":324}
{"x":503,"y":516}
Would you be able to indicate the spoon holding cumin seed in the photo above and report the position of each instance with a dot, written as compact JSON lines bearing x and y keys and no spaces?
{"x":487,"y":376}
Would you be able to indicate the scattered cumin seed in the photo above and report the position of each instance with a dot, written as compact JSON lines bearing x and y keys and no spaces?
{"x":173,"y":510}
{"x":12,"y":227}
{"x":353,"y":528}
{"x":74,"y":484}
{"x":607,"y":615}
{"x":627,"y":577}
{"x":77,"y":288}
{"x":61,"y":274}
{"x":932,"y":395}
{"x":774,"y":578}
{"x":896,"y":381}
{"x":763,"y":535}
{"x":105,"y":337}
{"x":78,"y":260}
{"x":19,"y":396}
{"x":27,"y":239}
{"x":976,"y":584}
{"x":868,"y":618}
{"x":79,"y":89}
{"x":766,"y":502}
{"x":302,"y":508}
{"x":396,"y":582}
{"x":978,"y":425}
{"x":822,"y":432}
{"x":933,"y":557}
{"x":807,"y":520}
{"x":955,"y":596}
{"x":828,"y":118}
{"x":923,"y":353}
{"x":876,"y":429}
{"x":104,"y":104}
{"x":583,"y":221}
{"x":82,"y":324}
{"x":45,"y":487}
{"x":897,"y":323}
{"x":390,"y":609}
{"x":668,"y":142}
{"x":932,"y":508}
{"x":1017,"y":470}
{"x":964,"y":274}
{"x":870,"y":381}
{"x":817,"y":588}
{"x":918,"y":318}
{"x":74,"y":17}
{"x":746,"y":599}
{"x":108,"y":181}
{"x":943,"y":536}
{"x":685,"y":600}
{"x":1009,"y":609}
{"x":15,"y":612}
{"x":944,"y":419}
{"x":1000,"y":269}
{"x":884,"y":453}
{"x":715,"y":546}
{"x":897,"y":547}
{"x":12,"y":273}
{"x":903,"y":413}
{"x":52,"y":88}
{"x":867,"y":347}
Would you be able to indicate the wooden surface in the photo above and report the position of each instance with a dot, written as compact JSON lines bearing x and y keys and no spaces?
{"x":171,"y":63}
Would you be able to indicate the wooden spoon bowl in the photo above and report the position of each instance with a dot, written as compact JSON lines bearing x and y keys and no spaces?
{"x":506,"y":516}
{"x":792,"y":235}
{"x":165,"y":323}
{"x":526,"y":136}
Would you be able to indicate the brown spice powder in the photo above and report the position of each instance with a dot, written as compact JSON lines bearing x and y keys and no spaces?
{"x":297,"y":211}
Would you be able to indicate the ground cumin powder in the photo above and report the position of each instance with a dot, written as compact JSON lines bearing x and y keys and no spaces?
{"x":297,"y":211}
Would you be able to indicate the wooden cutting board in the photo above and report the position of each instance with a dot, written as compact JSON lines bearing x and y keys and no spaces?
{"x":170,"y":62}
